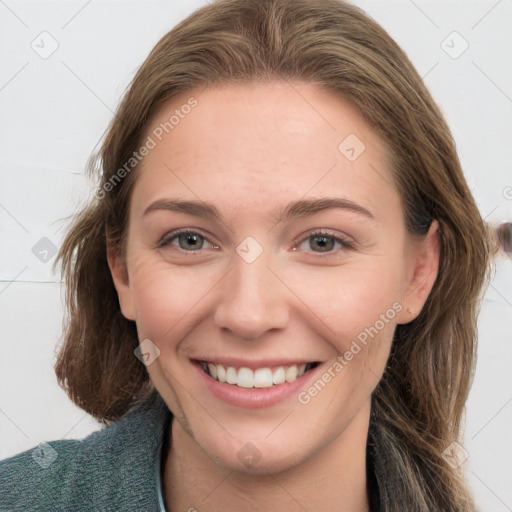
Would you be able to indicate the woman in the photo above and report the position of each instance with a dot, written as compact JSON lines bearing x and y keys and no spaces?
{"x":272,"y":298}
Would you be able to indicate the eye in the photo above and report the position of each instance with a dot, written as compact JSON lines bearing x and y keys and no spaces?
{"x":324,"y":242}
{"x":318,"y":241}
{"x":186,"y":240}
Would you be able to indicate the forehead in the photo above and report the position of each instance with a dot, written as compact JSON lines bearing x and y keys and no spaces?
{"x":263,"y":142}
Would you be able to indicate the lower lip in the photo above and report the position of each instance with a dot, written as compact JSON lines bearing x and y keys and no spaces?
{"x":254,"y":398}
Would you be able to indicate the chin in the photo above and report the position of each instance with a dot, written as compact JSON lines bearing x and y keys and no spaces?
{"x":256,"y":457}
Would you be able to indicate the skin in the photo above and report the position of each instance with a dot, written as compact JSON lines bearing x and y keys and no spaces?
{"x":250,"y":150}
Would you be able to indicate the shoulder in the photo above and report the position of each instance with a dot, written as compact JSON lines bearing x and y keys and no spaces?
{"x":112,"y":469}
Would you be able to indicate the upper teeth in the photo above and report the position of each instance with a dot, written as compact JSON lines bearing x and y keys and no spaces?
{"x":260,"y":378}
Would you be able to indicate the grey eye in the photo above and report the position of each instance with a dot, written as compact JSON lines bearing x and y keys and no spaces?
{"x":323,"y":242}
{"x":190,"y":241}
{"x":504,"y":236}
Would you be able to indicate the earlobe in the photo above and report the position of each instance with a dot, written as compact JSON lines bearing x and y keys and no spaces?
{"x":423,"y":276}
{"x":119,"y":272}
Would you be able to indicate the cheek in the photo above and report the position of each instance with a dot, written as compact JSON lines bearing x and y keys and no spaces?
{"x":167,"y":299}
{"x":349,"y":299}
{"x":358,"y":307}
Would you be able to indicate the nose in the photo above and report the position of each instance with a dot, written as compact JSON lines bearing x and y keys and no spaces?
{"x":253,"y":299}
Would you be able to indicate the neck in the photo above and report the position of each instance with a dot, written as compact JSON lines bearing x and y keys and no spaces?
{"x":332,"y":479}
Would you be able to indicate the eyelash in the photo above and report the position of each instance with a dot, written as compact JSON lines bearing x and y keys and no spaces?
{"x":345,"y":244}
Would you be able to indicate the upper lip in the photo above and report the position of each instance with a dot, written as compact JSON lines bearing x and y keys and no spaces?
{"x":255,"y":363}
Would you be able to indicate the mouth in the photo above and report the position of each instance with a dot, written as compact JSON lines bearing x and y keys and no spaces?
{"x":264,"y":377}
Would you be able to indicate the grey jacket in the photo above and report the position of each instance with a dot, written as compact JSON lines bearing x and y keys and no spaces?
{"x":114,"y":469}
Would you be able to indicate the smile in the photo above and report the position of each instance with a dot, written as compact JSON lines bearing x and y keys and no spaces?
{"x":247,"y":378}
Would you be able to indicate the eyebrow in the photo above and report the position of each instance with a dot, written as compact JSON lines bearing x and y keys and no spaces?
{"x":295,"y":209}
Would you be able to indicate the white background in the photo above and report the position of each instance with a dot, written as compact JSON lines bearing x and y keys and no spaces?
{"x":55,"y":110}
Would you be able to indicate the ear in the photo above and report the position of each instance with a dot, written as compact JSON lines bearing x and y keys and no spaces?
{"x":119,"y":271}
{"x":422,"y":270}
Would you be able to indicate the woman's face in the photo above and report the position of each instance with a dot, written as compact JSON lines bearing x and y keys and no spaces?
{"x":293,"y":264}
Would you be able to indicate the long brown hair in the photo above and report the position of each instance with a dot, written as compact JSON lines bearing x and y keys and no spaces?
{"x":418,"y":405}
